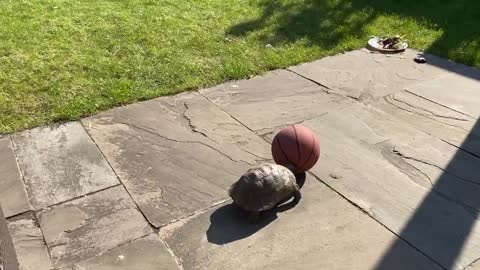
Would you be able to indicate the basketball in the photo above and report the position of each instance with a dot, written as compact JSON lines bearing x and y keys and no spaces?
{"x":296,"y":147}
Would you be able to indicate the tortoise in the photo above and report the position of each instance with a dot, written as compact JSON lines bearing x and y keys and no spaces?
{"x":264,"y":187}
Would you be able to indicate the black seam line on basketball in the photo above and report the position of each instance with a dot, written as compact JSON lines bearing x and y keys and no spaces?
{"x":283,"y":152}
{"x":298,"y":145}
{"x":311,"y":153}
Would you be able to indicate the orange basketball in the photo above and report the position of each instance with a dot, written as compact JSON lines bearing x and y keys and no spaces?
{"x":296,"y":147}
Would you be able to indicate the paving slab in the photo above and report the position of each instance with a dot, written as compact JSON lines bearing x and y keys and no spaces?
{"x":404,"y":178}
{"x":323,"y":231}
{"x":29,"y":245}
{"x":86,"y":227}
{"x":407,"y":158}
{"x":176,"y":155}
{"x":417,"y":154}
{"x":455,"y":91}
{"x":275,"y":99}
{"x":435,"y":119}
{"x":60,"y":163}
{"x":13,"y":196}
{"x":148,"y":253}
{"x":474,"y":266}
{"x":366,"y":76}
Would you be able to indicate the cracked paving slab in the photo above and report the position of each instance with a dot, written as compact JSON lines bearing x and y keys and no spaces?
{"x":29,"y":245}
{"x":13,"y":196}
{"x":437,"y":120}
{"x":176,"y":155}
{"x":474,"y":266}
{"x":323,"y":231}
{"x":148,"y":253}
{"x":455,"y":91}
{"x":424,"y":158}
{"x":396,"y":172}
{"x":89,"y":226}
{"x":278,"y":98}
{"x":366,"y":76}
{"x":60,"y":163}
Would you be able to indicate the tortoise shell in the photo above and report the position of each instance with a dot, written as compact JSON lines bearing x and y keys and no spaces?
{"x":263,"y":187}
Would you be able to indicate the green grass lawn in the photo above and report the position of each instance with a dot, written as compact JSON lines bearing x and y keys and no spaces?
{"x":64,"y":59}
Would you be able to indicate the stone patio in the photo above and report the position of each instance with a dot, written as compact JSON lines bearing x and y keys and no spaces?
{"x":145,"y":186}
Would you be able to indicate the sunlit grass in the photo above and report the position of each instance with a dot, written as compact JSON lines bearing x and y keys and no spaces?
{"x":61,"y":60}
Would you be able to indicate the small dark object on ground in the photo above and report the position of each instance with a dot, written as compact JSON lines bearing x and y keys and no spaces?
{"x":420,"y":60}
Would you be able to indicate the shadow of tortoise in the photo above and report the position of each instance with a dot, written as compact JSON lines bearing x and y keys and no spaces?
{"x":229,"y":223}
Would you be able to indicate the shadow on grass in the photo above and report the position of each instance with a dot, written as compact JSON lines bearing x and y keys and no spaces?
{"x":317,"y":22}
{"x":328,"y":23}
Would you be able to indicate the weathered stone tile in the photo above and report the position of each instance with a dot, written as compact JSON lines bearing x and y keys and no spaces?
{"x":454,"y":91}
{"x":148,"y":253}
{"x":363,"y":75}
{"x":409,"y":181}
{"x":275,"y":99}
{"x":60,"y":163}
{"x":414,"y":152}
{"x":13,"y":196}
{"x":367,"y":124}
{"x":475,"y":266}
{"x":437,"y":120}
{"x":176,"y":155}
{"x":323,"y":231}
{"x":85,"y":227}
{"x":8,"y":257}
{"x":31,"y":250}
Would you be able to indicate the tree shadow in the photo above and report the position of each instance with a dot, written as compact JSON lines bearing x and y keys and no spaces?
{"x":456,"y":224}
{"x":230,"y":223}
{"x":328,"y":23}
{"x":317,"y":22}
{"x":456,"y":20}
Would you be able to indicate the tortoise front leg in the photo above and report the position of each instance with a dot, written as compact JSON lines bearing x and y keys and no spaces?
{"x":297,"y":196}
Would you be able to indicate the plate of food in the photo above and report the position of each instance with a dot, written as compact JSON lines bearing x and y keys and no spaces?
{"x":390,"y":44}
